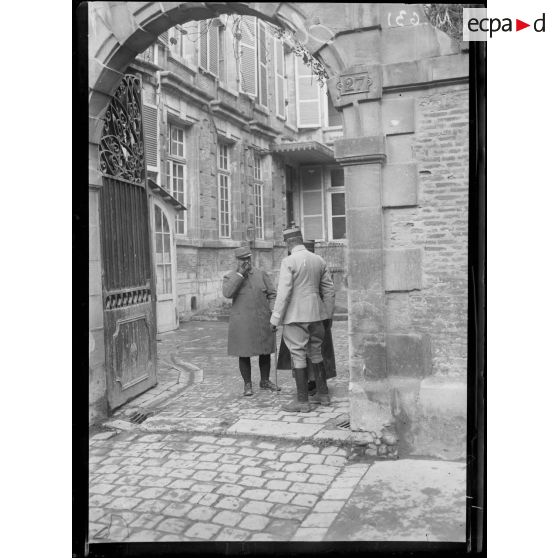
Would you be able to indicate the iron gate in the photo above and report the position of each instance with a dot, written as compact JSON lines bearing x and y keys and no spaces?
{"x":129,"y":300}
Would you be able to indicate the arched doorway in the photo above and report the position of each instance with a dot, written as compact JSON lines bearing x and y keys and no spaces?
{"x":391,"y":74}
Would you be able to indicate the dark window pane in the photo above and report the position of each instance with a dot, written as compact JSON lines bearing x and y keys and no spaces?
{"x":338,"y":204}
{"x":337,"y":177}
{"x":338,"y":227}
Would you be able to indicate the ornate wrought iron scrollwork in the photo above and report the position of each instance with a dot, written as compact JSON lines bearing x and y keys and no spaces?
{"x":121,"y":151}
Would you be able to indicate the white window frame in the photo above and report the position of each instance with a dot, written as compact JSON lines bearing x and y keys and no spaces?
{"x":259,"y":225}
{"x":321,"y":190}
{"x":224,"y":175}
{"x":179,"y":161}
{"x":171,"y":141}
{"x":330,"y":191}
{"x":168,"y":266}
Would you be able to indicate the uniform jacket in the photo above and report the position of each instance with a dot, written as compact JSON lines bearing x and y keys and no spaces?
{"x":253,"y":297}
{"x":305,"y":292}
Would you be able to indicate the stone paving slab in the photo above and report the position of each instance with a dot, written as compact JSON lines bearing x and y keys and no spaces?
{"x":405,"y":500}
{"x":279,"y":430}
{"x":214,"y":465}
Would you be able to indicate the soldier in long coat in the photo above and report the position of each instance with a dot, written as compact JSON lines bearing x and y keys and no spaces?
{"x":328,"y":353}
{"x":250,"y":333}
{"x":305,"y":297}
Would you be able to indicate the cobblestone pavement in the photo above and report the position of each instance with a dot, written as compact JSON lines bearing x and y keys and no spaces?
{"x":212,"y":465}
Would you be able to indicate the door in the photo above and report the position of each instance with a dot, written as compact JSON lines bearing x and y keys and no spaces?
{"x":164,"y":271}
{"x":129,"y":301}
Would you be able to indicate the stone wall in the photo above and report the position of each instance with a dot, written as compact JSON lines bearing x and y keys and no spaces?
{"x":438,"y":227}
{"x":426,"y":251}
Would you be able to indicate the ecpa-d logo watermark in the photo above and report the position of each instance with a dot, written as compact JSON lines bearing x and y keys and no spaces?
{"x":477,"y":26}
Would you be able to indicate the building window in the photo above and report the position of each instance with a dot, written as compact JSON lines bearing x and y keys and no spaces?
{"x":312,"y":203}
{"x":177,"y":147}
{"x":308,"y":94}
{"x":209,"y":40}
{"x":181,"y":41}
{"x":337,"y":203}
{"x":258,"y":197}
{"x":254,"y":55}
{"x":163,"y":262}
{"x":176,"y":170}
{"x":338,"y":223}
{"x":224,"y":189}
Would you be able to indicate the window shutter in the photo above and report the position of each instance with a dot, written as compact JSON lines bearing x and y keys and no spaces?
{"x":202,"y":44}
{"x":279,"y":78}
{"x":213,"y":40}
{"x":150,"y":135}
{"x":262,"y":64}
{"x":307,"y":96}
{"x":248,"y":59}
{"x":164,"y":38}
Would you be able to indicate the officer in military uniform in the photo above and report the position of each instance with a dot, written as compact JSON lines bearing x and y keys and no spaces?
{"x":328,"y":352}
{"x":305,"y":297}
{"x":250,"y":333}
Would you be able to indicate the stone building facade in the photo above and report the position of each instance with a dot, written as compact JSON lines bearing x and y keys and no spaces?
{"x":229,"y":154}
{"x":401,"y":88}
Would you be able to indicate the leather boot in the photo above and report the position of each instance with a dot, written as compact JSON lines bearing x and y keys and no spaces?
{"x":312,"y":387}
{"x":322,"y":397}
{"x":300,"y":404}
{"x":248,"y":388}
{"x":265,"y":382}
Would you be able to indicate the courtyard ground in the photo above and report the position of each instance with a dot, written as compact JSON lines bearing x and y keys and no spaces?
{"x":211,"y":465}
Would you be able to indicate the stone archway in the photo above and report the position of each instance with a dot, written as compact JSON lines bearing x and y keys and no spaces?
{"x":377,"y":56}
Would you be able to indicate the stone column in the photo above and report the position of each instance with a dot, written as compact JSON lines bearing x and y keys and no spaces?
{"x":357,"y":92}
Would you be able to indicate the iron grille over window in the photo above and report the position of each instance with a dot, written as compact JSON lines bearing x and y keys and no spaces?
{"x":121,"y":152}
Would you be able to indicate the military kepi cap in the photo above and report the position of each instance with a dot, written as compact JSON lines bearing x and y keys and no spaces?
{"x":292,"y":232}
{"x":243,"y":252}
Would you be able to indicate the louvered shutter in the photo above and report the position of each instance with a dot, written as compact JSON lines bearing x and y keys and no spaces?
{"x":279,"y":78}
{"x":164,"y":38}
{"x":307,"y":96}
{"x":262,"y":64}
{"x":213,"y":41}
{"x":150,"y":135}
{"x":202,"y":44}
{"x":248,"y":59}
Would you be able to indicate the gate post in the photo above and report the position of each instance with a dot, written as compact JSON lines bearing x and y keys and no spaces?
{"x":98,"y":407}
{"x":357,"y":92}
